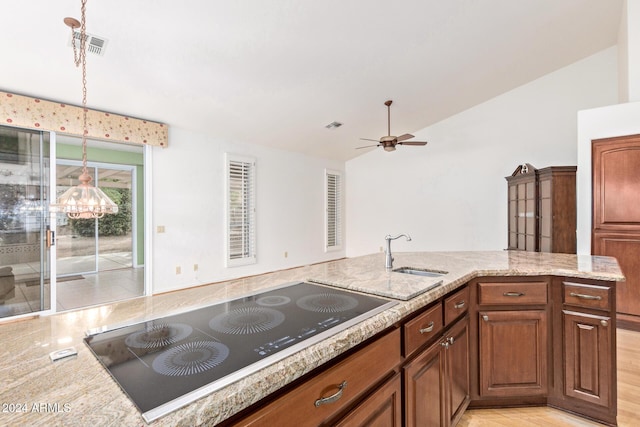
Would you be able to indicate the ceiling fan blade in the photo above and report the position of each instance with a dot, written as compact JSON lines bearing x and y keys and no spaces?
{"x":369,"y":139}
{"x":413,"y":143}
{"x":403,"y":137}
{"x":368,"y":146}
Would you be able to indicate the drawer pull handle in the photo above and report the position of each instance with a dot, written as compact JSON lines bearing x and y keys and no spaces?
{"x":459,"y":304}
{"x":513,"y":294}
{"x":583,"y":296}
{"x":333,"y":397}
{"x":428,"y":328}
{"x":485,"y":317}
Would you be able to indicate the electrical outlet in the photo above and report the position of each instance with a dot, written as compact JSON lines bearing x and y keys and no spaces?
{"x":195,"y":267}
{"x":178,"y":270}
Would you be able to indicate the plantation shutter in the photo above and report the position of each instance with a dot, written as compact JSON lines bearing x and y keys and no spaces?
{"x":241,"y":212}
{"x":334,"y":210}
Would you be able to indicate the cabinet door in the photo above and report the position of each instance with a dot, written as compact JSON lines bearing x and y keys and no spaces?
{"x":513,"y":353}
{"x":587,"y":352}
{"x":457,"y":376}
{"x":424,"y":383}
{"x":383,"y":408}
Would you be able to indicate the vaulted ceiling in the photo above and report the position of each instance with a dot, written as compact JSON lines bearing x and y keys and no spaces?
{"x":275,"y":72}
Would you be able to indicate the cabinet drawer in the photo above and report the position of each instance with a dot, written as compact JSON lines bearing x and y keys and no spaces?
{"x":456,"y":305}
{"x":589,"y":296}
{"x":339,"y":385}
{"x":512,"y":293}
{"x":421,"y":329}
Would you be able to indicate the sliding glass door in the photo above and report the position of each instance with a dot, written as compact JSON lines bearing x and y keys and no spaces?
{"x":25,"y":232}
{"x":93,"y":245}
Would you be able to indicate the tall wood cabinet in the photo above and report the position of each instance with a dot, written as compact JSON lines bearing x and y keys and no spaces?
{"x":616,"y":217}
{"x":542,"y":209}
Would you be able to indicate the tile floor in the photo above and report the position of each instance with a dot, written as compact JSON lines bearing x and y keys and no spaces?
{"x":116,"y":281}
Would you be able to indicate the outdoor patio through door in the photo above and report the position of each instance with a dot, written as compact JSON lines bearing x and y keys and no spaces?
{"x":95,"y":245}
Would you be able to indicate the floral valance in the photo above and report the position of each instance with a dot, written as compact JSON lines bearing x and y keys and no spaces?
{"x":26,"y":112}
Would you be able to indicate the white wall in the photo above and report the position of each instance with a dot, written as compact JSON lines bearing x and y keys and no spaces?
{"x":629,"y":52}
{"x":451,"y":194}
{"x":188,"y":199}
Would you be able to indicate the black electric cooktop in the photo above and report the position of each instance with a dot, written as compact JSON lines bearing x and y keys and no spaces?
{"x":166,"y":363}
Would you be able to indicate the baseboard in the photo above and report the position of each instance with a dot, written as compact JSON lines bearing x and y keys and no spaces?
{"x":628,"y":322}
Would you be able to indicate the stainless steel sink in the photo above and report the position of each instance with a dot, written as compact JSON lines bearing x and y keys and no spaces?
{"x":419,"y":272}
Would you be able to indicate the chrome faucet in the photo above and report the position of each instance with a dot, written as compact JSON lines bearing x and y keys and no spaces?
{"x":388,"y":264}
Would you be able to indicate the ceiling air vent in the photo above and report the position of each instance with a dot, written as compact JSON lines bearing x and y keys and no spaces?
{"x":333,"y":125}
{"x":95,"y":44}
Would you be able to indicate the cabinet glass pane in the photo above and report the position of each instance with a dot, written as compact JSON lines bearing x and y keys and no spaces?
{"x":545,"y":244}
{"x":545,"y":188}
{"x":531,"y":242}
{"x":531,"y":190}
{"x":545,"y":217}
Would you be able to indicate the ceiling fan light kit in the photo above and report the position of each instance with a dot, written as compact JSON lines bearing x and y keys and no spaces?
{"x":389,"y":142}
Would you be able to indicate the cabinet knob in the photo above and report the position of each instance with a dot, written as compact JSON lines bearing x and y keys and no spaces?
{"x":485,"y":317}
{"x":451,"y":340}
{"x":604,"y":323}
{"x":333,"y":397}
{"x":445,"y":344}
{"x":429,"y":328}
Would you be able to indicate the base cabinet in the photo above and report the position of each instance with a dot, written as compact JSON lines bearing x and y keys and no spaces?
{"x":513,"y":353}
{"x":437,"y":380}
{"x":587,"y":357}
{"x":383,"y":408}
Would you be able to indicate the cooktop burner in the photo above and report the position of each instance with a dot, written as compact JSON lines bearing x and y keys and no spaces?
{"x":166,"y":363}
{"x":190,"y":358}
{"x":247,"y":320}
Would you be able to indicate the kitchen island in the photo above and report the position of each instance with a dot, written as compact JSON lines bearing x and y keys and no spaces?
{"x":79,"y":391}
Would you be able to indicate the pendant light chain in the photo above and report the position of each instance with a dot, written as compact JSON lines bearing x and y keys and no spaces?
{"x":83,"y":200}
{"x":80,"y":59}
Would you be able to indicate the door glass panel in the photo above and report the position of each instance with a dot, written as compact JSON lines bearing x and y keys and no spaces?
{"x":101,"y":260}
{"x":76,"y":240}
{"x":115,"y":231}
{"x":24,"y":258}
{"x":93,"y":245}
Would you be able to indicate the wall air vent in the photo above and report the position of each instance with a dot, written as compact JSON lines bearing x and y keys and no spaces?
{"x":95,"y":44}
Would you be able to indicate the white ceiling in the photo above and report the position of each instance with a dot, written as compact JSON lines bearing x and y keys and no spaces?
{"x":276,"y":72}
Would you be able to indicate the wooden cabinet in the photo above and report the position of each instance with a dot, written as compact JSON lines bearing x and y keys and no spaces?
{"x":587,"y":342}
{"x":436,"y":381}
{"x":542,"y":209}
{"x":513,"y":353}
{"x":522,"y":224}
{"x":325,"y":396}
{"x":383,"y":408}
{"x":616,"y":217}
{"x":589,"y":348}
{"x":511,"y":340}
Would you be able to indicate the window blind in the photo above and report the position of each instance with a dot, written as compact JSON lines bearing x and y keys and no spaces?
{"x":241,"y":212}
{"x":333,"y":210}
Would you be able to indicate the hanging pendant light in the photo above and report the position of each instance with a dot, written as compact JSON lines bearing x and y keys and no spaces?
{"x":83,"y":200}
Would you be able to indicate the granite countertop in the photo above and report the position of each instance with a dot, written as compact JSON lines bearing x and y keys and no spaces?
{"x":79,"y":391}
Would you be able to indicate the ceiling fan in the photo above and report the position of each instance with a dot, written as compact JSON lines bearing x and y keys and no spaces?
{"x":389,"y":142}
